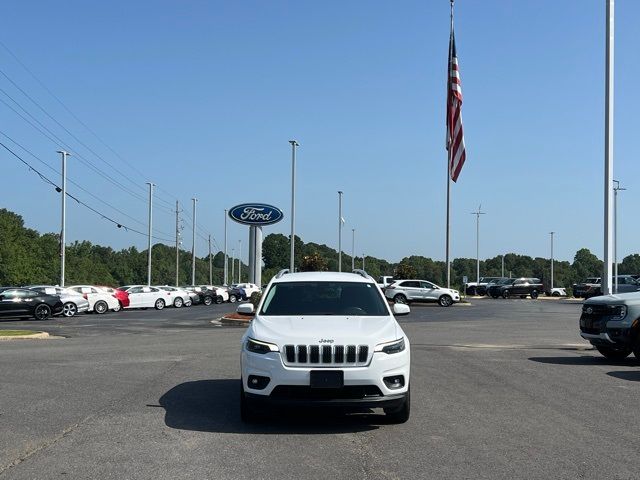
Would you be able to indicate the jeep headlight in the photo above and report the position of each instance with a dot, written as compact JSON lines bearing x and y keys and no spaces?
{"x":396,"y":346}
{"x":256,"y":346}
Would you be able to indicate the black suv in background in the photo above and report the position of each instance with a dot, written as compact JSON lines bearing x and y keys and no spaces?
{"x":516,"y":287}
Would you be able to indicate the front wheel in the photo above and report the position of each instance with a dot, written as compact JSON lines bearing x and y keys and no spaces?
{"x":118,"y":307}
{"x":69,"y":309}
{"x":159,"y":305}
{"x":534,"y":294}
{"x":445,"y":301}
{"x":232,"y":298}
{"x":613,"y":353}
{"x":555,"y":294}
{"x":219,"y":299}
{"x":207,"y":300}
{"x":42,"y":312}
{"x":178,"y":302}
{"x":188,"y":303}
{"x":505,"y":294}
{"x":400,"y":415}
{"x":101,"y":307}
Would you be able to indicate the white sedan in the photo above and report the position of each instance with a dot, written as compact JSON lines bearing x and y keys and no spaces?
{"x":176,"y":296}
{"x":141,"y":296}
{"x":100,"y":301}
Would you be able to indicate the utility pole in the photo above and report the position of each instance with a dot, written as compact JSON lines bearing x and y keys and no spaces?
{"x":477,"y":214}
{"x":363,"y":261}
{"x":294,"y":144}
{"x":502,"y":266}
{"x":353,"y":249}
{"x":340,"y":231}
{"x":608,"y":149}
{"x":151,"y":185}
{"x":233,"y":265}
{"x":210,"y":264}
{"x":177,"y":243}
{"x":226,"y":266}
{"x":239,"y":261}
{"x":64,"y":215}
{"x":616,"y":189}
{"x":193,"y":245}
{"x":552,"y":234}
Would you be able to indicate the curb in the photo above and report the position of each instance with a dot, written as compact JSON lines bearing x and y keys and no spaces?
{"x":33,"y":336}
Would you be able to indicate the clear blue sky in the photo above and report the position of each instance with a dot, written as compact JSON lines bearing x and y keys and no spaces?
{"x":203,"y":96}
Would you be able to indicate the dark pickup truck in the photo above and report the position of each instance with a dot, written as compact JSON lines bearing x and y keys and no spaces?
{"x":516,"y":287}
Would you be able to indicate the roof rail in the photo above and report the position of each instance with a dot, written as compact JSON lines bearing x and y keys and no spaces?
{"x":282,"y":272}
{"x":362,"y":273}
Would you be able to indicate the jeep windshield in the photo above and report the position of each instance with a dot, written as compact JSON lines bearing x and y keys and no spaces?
{"x":324,"y":298}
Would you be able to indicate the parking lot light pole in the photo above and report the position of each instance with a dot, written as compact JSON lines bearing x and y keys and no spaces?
{"x":239,"y":261}
{"x":353,"y":249}
{"x":64,"y":215}
{"x":339,"y":231}
{"x":552,"y":234}
{"x":477,"y":214}
{"x":226,"y":266}
{"x":233,"y":265}
{"x":151,"y":185}
{"x":294,"y":144}
{"x":210,"y":264}
{"x":616,"y":189}
{"x":193,"y":245}
{"x":363,"y":261}
{"x":502,"y":266}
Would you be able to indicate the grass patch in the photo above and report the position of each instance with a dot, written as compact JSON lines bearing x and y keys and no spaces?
{"x":15,"y":333}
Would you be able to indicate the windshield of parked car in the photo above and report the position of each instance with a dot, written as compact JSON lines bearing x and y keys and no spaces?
{"x":324,"y":298}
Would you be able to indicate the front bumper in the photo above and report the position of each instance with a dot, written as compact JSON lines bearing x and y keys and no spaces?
{"x":388,"y":401}
{"x":381,"y":365}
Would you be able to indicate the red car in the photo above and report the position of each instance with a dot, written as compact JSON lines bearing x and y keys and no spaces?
{"x":123,"y":297}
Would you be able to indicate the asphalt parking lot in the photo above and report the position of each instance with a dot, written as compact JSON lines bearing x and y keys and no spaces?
{"x":501,"y":389}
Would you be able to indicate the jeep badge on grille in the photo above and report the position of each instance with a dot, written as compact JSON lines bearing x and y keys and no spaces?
{"x":326,"y":340}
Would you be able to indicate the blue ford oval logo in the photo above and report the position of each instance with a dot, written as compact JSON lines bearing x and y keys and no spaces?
{"x":256,"y":214}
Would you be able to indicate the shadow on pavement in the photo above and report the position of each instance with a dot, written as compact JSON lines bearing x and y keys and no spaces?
{"x":632,"y":376}
{"x":213,"y":406}
{"x":583,"y":360}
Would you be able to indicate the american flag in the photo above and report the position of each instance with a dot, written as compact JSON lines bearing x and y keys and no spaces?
{"x":455,"y":135}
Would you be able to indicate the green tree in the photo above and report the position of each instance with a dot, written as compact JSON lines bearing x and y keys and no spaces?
{"x":313,"y":263}
{"x":405,"y":270}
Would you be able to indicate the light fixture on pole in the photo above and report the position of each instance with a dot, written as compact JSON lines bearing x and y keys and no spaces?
{"x":226,"y":259}
{"x":193,"y":244}
{"x":552,"y":234}
{"x":292,"y":240}
{"x":151,"y":185}
{"x":616,"y":189}
{"x":477,"y":214}
{"x":340,"y":222}
{"x":608,"y":149}
{"x":64,"y":216}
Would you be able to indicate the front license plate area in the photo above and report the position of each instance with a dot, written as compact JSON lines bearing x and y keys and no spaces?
{"x":326,"y":379}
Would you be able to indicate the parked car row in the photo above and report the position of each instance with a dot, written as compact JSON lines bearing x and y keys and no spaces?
{"x":591,"y":287}
{"x":44,"y":301}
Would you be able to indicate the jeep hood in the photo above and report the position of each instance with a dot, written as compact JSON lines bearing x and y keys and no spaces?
{"x":309,"y":330}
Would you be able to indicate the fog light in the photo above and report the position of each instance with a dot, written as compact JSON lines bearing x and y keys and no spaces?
{"x":394,"y":382}
{"x":256,"y":382}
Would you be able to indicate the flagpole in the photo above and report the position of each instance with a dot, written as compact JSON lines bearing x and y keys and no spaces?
{"x":448,"y":228}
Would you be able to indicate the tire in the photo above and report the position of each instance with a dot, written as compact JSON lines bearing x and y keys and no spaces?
{"x":178,"y":302}
{"x":188,"y":303}
{"x":505,"y":294}
{"x":100,"y":307}
{"x":400,"y":415}
{"x":42,"y":312}
{"x":445,"y":301}
{"x":472,"y":291}
{"x":613,"y":353}
{"x":555,"y":294}
{"x":207,"y":300}
{"x":247,"y":412}
{"x":69,"y":309}
{"x":400,"y":298}
{"x":534,"y":294}
{"x":219,"y":300}
{"x":119,"y":307}
{"x":232,"y":298}
{"x":159,"y":305}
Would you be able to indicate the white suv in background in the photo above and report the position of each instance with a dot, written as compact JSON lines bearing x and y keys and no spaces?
{"x":325,"y":339}
{"x":406,"y":291}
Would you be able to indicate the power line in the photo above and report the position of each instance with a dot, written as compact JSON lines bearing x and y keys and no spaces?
{"x":45,"y":179}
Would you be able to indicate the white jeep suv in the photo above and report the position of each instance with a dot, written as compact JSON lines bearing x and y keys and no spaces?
{"x":325,"y":339}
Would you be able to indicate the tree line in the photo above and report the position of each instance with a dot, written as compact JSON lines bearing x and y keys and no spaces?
{"x":28,"y":257}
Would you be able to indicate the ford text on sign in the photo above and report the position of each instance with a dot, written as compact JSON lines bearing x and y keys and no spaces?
{"x":256,"y":214}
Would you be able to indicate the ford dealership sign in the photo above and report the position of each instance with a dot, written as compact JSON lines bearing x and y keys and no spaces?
{"x":258,"y":214}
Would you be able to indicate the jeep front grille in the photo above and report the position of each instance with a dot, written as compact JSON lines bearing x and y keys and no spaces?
{"x":326,"y":354}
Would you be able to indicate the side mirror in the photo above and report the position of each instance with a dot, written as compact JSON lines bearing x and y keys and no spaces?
{"x":246,"y":309}
{"x":400,"y":309}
